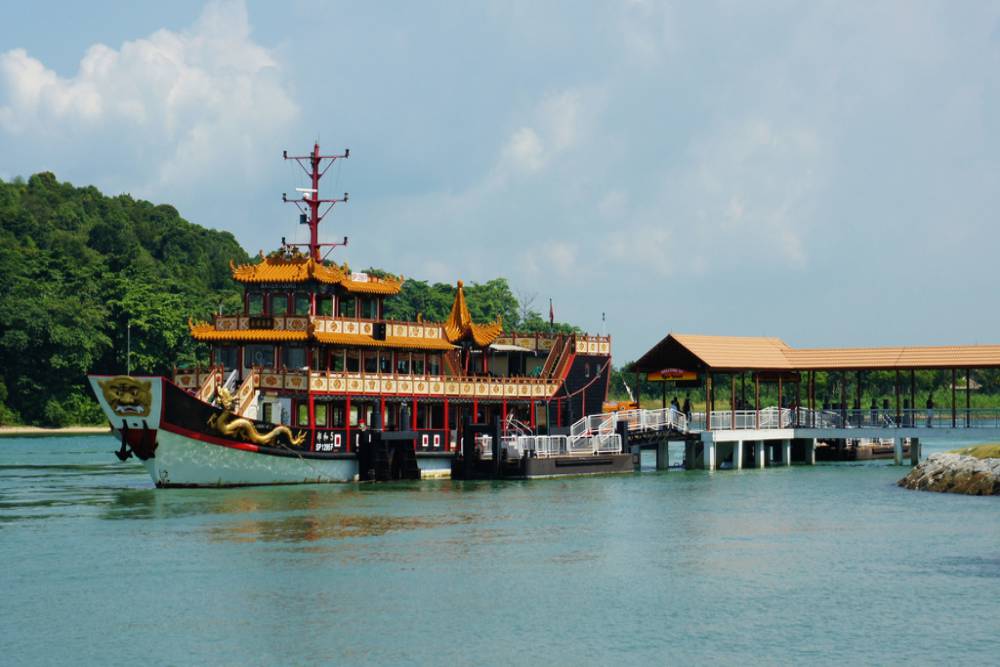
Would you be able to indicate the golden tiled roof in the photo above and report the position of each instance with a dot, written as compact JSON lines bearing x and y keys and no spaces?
{"x":301,"y":268}
{"x":460,"y":326}
{"x":204,"y":331}
{"x":760,"y":353}
{"x":390,"y":341}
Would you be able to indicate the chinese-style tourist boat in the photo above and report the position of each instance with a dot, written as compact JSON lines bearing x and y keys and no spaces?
{"x":310,"y":383}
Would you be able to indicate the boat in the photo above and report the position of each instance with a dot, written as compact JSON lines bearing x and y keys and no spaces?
{"x":309,"y":382}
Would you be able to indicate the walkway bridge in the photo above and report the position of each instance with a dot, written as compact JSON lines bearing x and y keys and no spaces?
{"x":772,"y":432}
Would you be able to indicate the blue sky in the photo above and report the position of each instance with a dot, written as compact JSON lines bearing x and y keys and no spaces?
{"x":826,"y":172}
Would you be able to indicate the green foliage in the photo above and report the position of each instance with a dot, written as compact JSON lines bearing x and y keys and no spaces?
{"x":486,"y":302}
{"x":77,"y":267}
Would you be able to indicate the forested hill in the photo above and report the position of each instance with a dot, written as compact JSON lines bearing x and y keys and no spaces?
{"x":75,"y":266}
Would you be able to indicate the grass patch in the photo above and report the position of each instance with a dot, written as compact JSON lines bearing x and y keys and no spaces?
{"x":991,"y":451}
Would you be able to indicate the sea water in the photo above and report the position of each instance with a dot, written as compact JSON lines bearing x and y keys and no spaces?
{"x":831,"y":564}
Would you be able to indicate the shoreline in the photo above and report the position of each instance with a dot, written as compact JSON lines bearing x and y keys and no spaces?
{"x":39,"y":432}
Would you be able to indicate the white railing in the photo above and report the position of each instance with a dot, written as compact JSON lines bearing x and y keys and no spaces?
{"x":546,"y":446}
{"x":230,"y":383}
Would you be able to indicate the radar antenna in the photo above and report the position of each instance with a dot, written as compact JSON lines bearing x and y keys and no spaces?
{"x":309,"y":202}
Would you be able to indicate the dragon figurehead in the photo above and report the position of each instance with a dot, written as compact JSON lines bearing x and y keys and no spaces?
{"x":127,"y":396}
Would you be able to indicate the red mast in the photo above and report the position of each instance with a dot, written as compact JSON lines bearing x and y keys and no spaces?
{"x":310,"y":202}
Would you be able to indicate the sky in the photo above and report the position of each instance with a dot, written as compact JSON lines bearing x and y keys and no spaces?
{"x":824,"y":172}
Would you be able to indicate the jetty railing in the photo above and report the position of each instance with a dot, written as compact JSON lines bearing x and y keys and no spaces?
{"x":547,"y":446}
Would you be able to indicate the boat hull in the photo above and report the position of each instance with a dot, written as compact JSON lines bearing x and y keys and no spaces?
{"x":184,"y":461}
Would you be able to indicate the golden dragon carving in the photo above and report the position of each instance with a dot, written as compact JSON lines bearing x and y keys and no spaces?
{"x":229,"y":424}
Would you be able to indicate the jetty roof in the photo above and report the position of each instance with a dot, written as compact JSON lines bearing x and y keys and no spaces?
{"x":298,"y":268}
{"x":737,"y":353}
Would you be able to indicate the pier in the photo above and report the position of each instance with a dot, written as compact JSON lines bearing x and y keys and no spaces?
{"x":746,"y":434}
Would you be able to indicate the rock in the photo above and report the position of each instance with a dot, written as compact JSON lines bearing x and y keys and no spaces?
{"x":955,"y":473}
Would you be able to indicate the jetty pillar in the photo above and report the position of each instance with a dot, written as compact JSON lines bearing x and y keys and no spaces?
{"x":759,"y":453}
{"x":738,"y":455}
{"x":810,"y":452}
{"x":663,"y":455}
{"x":914,"y":451}
{"x":897,"y":451}
{"x":786,"y":452}
{"x":708,"y":451}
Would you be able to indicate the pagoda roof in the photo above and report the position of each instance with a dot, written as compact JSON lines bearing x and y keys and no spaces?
{"x":203,"y":331}
{"x":300,"y":268}
{"x":395,"y":342}
{"x":460,"y":326}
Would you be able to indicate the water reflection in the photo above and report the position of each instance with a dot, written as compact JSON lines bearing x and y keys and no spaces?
{"x":312,"y":528}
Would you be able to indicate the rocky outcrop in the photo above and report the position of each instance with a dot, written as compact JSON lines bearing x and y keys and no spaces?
{"x":955,"y":473}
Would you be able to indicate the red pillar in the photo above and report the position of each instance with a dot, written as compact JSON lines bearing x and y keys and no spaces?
{"x":503,"y":411}
{"x":475,"y":411}
{"x":312,"y":414}
{"x":559,"y":412}
{"x":347,"y":422}
{"x":381,"y":410}
{"x":413,"y":419}
{"x":532,"y":415}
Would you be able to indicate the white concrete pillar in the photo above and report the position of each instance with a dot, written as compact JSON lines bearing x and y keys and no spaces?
{"x":738,"y":455}
{"x":914,"y":451}
{"x":662,"y":455}
{"x":759,"y":453}
{"x":811,"y":451}
{"x":786,"y":452}
{"x":897,"y":451}
{"x":708,"y":451}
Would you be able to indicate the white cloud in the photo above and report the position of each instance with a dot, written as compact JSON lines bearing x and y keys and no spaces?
{"x":185,"y":103}
{"x":524,"y":149}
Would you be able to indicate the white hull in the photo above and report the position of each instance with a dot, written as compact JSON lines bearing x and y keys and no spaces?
{"x":184,"y":461}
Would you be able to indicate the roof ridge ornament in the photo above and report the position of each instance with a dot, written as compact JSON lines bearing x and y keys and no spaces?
{"x":459,"y":325}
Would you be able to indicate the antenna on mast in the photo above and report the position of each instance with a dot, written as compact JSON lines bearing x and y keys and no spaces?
{"x":309,"y":202}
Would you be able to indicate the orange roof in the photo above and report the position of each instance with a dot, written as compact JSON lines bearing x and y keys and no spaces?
{"x":460,"y":326}
{"x":390,"y":341}
{"x":881,"y":358}
{"x":760,"y":353}
{"x":301,"y":268}
{"x":204,"y":331}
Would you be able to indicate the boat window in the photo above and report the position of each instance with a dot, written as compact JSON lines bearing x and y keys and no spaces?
{"x":267,"y":407}
{"x":418,"y":364}
{"x":586,"y":370}
{"x":303,"y":414}
{"x":347,"y":307}
{"x":337,"y":361}
{"x":321,"y":414}
{"x":403,"y":363}
{"x":369,"y":309}
{"x":385,"y":362}
{"x":302,"y":303}
{"x":226,"y":357}
{"x":434,"y":364}
{"x":258,"y":355}
{"x":293,"y":357}
{"x":324,"y":306}
{"x":255,"y":303}
{"x":352,"y":361}
{"x":336,"y":415}
{"x":279,"y":304}
{"x":371,"y":361}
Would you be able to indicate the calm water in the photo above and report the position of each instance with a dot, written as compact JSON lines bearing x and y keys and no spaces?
{"x":831,"y":564}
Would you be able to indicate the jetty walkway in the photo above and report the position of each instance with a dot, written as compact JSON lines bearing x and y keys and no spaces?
{"x":732,"y":372}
